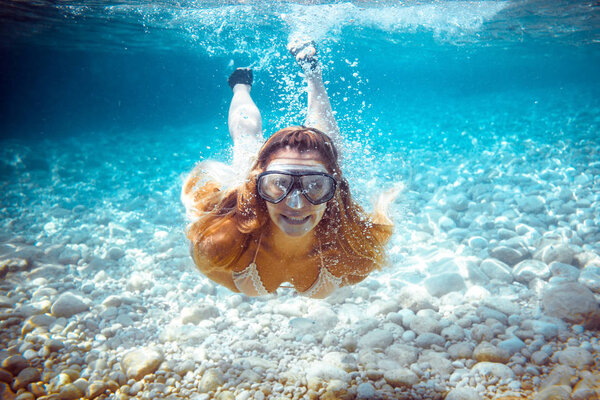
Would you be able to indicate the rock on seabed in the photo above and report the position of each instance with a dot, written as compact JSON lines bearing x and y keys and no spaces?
{"x":68,"y":305}
{"x":140,"y":362}
{"x":572,"y":302}
{"x":465,"y":393}
{"x":445,"y":283}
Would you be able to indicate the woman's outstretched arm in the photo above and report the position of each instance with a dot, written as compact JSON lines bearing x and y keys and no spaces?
{"x":382,"y":204}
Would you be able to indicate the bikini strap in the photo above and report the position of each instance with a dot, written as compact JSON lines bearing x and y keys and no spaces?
{"x":321,"y":253}
{"x":257,"y":247}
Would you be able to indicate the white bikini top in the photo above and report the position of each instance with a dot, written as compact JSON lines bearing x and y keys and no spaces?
{"x":248,"y":280}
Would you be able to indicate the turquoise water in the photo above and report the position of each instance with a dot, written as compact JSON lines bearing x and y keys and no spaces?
{"x":104,"y":106}
{"x":460,"y":75}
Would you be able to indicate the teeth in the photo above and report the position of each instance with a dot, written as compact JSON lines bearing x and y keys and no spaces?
{"x":295,"y":219}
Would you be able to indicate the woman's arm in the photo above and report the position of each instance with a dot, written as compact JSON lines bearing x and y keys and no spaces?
{"x":220,"y":276}
{"x":382,"y":204}
{"x":211,"y":248}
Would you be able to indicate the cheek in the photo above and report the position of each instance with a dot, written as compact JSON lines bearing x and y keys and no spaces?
{"x":320,"y":211}
{"x":272,"y":209}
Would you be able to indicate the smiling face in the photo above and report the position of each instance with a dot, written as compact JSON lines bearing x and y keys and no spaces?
{"x":295,"y":216}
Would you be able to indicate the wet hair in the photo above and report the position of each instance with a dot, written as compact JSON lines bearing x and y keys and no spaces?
{"x":344,"y":225}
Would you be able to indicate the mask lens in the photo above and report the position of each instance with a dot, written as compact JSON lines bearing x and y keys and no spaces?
{"x":318,"y":188}
{"x":274,"y":187}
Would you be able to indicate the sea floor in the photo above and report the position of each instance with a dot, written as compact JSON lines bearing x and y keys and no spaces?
{"x":492,"y":291}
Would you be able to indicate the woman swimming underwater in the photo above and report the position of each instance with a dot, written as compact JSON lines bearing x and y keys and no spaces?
{"x":290,"y":218}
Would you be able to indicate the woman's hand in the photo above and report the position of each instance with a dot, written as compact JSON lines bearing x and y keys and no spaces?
{"x":382,"y":204}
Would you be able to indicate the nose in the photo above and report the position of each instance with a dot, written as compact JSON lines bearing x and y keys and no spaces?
{"x":295,"y":200}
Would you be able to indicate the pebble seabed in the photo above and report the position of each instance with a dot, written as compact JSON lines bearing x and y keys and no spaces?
{"x":492,"y":292}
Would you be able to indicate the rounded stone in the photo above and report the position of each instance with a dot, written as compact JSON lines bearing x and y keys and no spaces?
{"x":14,"y":364}
{"x":496,"y":269}
{"x":493,"y":369}
{"x":531,"y":204}
{"x":573,"y":303}
{"x":422,"y":324}
{"x":95,"y":389}
{"x":70,"y":392}
{"x":460,"y":350}
{"x":68,"y":305}
{"x":463,"y":393}
{"x":439,"y":285}
{"x":565,"y":271}
{"x":115,"y":253}
{"x":54,"y":345}
{"x":428,"y":339}
{"x":554,"y":393}
{"x":193,"y":315}
{"x":140,"y":362}
{"x":446,"y":223}
{"x":556,"y":252}
{"x":349,"y":343}
{"x":112,"y":301}
{"x":377,"y":338}
{"x":403,"y":354}
{"x":414,"y":298}
{"x":590,"y":277}
{"x":453,"y":332}
{"x":548,"y":329}
{"x":478,"y":242}
{"x":512,"y":345}
{"x":211,"y":381}
{"x":508,"y":254}
{"x":365,"y":391}
{"x":480,"y":332}
{"x":5,"y":376}
{"x":6,"y":392}
{"x":575,"y":357}
{"x":25,"y":377}
{"x":458,"y":202}
{"x":401,"y":377}
{"x":540,"y":358}
{"x":527,"y":270}
{"x":488,"y":352}
{"x":25,"y":396}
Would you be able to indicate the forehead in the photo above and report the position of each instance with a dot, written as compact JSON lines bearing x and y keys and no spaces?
{"x":306,"y":159}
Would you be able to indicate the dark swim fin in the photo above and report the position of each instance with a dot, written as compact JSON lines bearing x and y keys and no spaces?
{"x":240,"y":75}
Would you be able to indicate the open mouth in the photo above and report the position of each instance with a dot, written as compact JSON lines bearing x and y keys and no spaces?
{"x":295,"y":220}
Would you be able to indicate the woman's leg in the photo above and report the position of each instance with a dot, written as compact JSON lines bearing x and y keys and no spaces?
{"x":319,"y":114}
{"x":244,"y":120}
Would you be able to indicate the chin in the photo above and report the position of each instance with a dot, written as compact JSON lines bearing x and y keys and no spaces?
{"x":295,"y":230}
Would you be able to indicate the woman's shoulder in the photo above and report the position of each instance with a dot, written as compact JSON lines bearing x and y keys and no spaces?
{"x":222,"y":236}
{"x":220,"y":242}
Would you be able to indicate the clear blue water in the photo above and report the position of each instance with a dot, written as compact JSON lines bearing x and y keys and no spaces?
{"x":413,"y":71}
{"x":457,"y":75}
{"x":91,"y":82}
{"x":105,"y":105}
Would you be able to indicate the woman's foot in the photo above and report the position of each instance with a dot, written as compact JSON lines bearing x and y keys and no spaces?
{"x":305,"y":52}
{"x":240,"y":76}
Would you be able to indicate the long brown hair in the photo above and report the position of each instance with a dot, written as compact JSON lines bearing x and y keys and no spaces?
{"x":344,"y":226}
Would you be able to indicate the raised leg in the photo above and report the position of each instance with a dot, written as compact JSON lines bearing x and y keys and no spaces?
{"x":244,"y":117}
{"x":319,"y":114}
